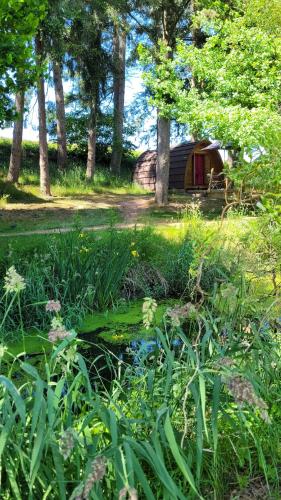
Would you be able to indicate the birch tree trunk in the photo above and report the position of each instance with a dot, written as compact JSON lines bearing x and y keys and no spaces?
{"x":15,"y":158}
{"x":92,"y":135}
{"x":60,"y":112}
{"x":163,"y":161}
{"x":43,"y":144}
{"x":119,"y":53}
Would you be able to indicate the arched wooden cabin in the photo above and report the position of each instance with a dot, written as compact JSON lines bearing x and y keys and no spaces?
{"x":190,"y":166}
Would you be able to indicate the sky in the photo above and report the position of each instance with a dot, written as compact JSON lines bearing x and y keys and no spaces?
{"x":134,"y":86}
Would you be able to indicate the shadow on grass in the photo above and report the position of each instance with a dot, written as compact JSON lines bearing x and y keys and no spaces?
{"x":13,"y":221}
{"x":16,"y":195}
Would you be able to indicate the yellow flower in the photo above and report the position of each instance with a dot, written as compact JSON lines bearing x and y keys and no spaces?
{"x":82,"y":235}
{"x":135,"y":253}
{"x":84,"y":250}
{"x":132,"y":244}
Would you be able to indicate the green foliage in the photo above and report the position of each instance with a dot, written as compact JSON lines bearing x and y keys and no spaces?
{"x":196,"y":415}
{"x":235,"y":89}
{"x":170,"y":436}
{"x":18,"y":24}
{"x":76,"y":150}
{"x":87,"y":273}
{"x":77,"y":137}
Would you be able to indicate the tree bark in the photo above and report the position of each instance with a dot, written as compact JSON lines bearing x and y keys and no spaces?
{"x":43,"y":144}
{"x":92,"y":135}
{"x":163,"y":161}
{"x":163,"y":127}
{"x":15,"y":158}
{"x":60,"y":112}
{"x":119,"y":54}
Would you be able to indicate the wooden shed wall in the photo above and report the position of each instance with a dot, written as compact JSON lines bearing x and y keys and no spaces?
{"x":145,"y":170}
{"x":181,"y":166}
{"x":178,"y":160}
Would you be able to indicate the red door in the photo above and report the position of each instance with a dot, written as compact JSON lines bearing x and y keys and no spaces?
{"x":199,"y":162}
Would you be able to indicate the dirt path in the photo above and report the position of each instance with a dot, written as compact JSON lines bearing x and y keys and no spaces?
{"x":131,"y":209}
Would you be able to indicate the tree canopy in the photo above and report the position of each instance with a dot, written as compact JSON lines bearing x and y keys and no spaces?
{"x":18,"y":24}
{"x":230,"y":88}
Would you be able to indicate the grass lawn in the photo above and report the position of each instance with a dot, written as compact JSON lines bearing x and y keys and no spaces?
{"x":57,"y":213}
{"x":24,"y":210}
{"x":74,"y":202}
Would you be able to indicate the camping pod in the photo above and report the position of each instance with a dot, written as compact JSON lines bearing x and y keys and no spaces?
{"x":192,"y":166}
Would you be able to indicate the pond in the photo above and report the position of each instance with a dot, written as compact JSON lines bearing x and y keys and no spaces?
{"x":107,"y":337}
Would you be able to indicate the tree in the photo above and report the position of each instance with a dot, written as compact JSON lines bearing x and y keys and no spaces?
{"x":119,"y":68}
{"x":15,"y":158}
{"x":54,"y":32}
{"x":60,"y":114}
{"x":165,"y":21}
{"x":18,"y":24}
{"x":43,"y":144}
{"x":90,"y":63}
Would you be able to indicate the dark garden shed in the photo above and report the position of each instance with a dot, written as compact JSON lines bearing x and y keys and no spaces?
{"x":191,"y":164}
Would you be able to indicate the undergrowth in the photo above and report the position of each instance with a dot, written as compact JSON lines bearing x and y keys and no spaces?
{"x":196,"y":416}
{"x":71,"y":182}
{"x":201,"y":420}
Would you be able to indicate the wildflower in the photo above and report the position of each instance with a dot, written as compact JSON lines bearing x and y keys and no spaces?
{"x":67,"y":443}
{"x":84,"y":250}
{"x":82,"y":235}
{"x":58,"y":334}
{"x":53,"y":306}
{"x":135,"y":253}
{"x":130,"y":492}
{"x":14,"y":282}
{"x":227,"y":362}
{"x":133,"y":244}
{"x":56,"y":323}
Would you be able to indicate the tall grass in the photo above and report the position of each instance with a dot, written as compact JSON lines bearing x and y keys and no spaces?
{"x":83,"y":274}
{"x":89,"y":272}
{"x":171,"y":427}
{"x":198,"y":417}
{"x":72,"y":182}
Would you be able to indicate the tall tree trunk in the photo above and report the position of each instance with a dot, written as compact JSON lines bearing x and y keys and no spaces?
{"x":15,"y":158}
{"x":119,"y":54}
{"x":43,"y":144}
{"x":92,"y":135}
{"x":163,"y":161}
{"x":163,"y":133}
{"x":60,"y":112}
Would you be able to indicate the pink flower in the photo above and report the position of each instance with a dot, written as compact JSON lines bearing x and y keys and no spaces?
{"x":53,"y":306}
